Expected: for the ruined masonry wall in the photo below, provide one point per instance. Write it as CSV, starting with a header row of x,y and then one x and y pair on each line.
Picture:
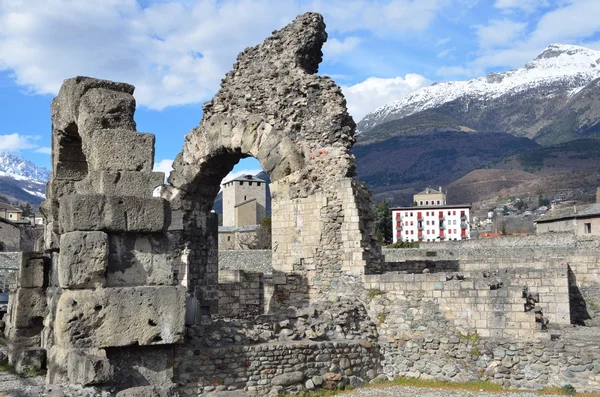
x,y
416,339
284,366
241,294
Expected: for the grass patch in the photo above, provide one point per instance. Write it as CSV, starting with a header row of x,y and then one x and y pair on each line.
x,y
473,338
381,318
478,386
593,305
438,384
33,371
372,293
3,342
6,368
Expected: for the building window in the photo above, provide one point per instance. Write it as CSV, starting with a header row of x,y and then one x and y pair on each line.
x,y
241,183
449,213
412,232
257,183
244,198
249,183
427,202
438,202
453,212
587,228
228,238
420,202
412,223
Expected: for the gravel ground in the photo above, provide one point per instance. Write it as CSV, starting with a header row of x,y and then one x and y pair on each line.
x,y
10,382
406,391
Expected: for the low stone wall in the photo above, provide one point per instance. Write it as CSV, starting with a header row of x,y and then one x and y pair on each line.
x,y
282,366
418,338
241,293
497,304
248,260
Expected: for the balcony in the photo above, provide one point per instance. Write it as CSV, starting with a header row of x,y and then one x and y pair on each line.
x,y
420,227
463,217
442,227
464,225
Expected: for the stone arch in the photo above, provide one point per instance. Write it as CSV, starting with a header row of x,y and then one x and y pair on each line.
x,y
273,106
120,258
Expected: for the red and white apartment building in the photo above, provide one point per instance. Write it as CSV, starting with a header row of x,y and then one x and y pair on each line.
x,y
431,219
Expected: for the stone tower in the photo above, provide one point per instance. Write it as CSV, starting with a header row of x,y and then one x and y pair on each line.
x,y
244,201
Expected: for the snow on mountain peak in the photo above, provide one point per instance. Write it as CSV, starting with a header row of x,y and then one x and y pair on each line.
x,y
571,66
13,165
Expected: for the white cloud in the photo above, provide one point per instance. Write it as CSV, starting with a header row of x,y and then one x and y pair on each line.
x,y
443,41
16,141
446,52
164,165
574,22
174,53
499,33
374,92
333,48
528,6
44,150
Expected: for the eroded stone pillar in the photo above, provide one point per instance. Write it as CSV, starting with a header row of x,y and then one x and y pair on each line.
x,y
111,286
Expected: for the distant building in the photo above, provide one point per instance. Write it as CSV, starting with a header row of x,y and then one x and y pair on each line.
x,y
581,220
244,201
244,207
432,219
10,213
430,197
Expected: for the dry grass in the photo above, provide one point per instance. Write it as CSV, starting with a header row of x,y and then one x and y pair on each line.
x,y
479,386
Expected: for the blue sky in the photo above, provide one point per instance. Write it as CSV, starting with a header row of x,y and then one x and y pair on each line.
x,y
176,52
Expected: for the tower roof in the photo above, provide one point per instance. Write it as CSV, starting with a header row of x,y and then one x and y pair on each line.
x,y
246,178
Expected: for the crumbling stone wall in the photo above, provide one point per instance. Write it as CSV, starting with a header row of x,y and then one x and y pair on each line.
x,y
418,339
273,106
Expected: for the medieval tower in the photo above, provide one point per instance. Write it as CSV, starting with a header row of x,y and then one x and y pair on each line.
x,y
244,201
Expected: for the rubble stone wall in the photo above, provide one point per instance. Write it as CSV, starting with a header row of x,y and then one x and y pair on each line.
x,y
282,367
248,260
417,338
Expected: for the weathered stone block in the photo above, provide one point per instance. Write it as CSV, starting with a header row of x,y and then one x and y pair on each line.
x,y
29,308
112,149
113,213
31,270
30,360
83,259
123,183
139,259
89,367
120,317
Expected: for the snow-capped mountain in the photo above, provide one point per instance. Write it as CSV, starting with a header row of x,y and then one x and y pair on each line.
x,y
529,101
21,179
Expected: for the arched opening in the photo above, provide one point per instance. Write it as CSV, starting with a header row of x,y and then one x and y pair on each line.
x,y
69,161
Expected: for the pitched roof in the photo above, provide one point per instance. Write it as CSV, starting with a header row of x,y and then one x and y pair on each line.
x,y
429,190
246,178
571,212
231,229
8,207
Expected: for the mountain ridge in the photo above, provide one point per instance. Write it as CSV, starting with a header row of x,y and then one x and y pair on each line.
x,y
21,180
550,99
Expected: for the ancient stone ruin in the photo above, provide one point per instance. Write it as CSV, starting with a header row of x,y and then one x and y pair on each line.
x,y
132,298
127,271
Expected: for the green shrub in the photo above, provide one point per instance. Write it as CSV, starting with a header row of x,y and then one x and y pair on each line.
x,y
569,389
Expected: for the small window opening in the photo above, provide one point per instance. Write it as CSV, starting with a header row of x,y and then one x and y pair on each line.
x,y
587,228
